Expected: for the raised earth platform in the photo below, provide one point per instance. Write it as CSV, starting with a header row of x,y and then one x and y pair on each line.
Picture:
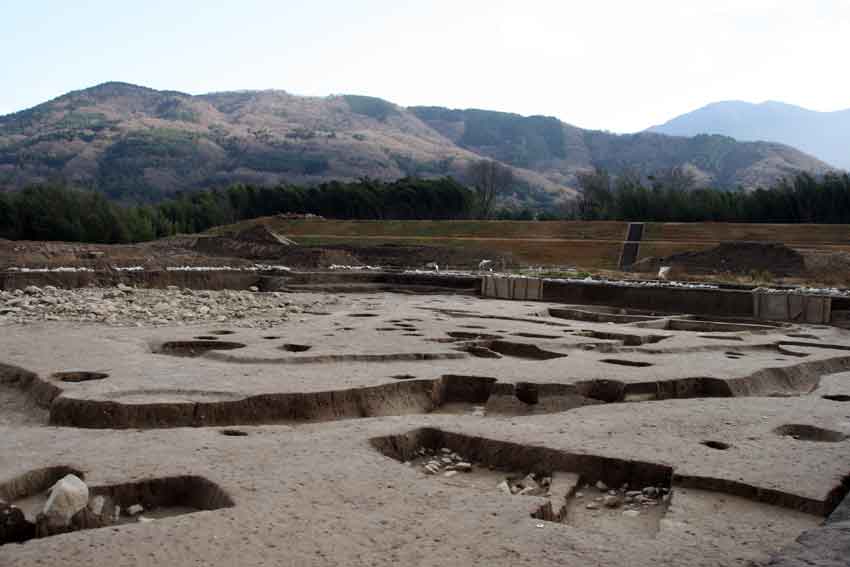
x,y
440,429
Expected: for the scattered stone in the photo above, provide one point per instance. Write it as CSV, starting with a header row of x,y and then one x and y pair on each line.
x,y
96,505
592,506
631,513
650,492
126,306
601,486
135,509
449,474
612,501
504,487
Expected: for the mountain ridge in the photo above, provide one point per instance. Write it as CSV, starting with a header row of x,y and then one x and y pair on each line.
x,y
135,143
825,135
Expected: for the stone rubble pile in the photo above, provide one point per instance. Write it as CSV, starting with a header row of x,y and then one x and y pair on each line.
x,y
529,485
632,501
444,461
127,306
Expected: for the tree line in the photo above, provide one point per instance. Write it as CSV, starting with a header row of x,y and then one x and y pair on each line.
x,y
56,212
671,196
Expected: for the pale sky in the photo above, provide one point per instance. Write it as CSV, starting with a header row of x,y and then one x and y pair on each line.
x,y
619,65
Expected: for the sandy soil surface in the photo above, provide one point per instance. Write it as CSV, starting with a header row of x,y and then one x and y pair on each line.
x,y
299,443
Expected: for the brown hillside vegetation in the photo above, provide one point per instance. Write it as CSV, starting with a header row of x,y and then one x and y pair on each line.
x,y
135,143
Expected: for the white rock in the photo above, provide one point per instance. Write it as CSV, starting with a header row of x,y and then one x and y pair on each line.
x,y
504,487
449,474
601,486
631,513
32,290
612,501
135,509
67,497
96,505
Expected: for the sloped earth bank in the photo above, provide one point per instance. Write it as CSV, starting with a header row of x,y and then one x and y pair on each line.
x,y
387,429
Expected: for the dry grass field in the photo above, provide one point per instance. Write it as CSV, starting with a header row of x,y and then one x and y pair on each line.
x,y
584,245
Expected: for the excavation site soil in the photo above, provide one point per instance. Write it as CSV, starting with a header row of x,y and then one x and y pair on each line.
x,y
321,421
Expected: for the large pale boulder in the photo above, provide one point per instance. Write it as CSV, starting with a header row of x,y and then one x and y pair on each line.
x,y
67,497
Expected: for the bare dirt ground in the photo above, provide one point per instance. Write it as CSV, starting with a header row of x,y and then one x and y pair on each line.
x,y
385,429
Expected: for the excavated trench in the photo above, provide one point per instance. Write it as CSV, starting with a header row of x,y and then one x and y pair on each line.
x,y
108,505
405,395
604,474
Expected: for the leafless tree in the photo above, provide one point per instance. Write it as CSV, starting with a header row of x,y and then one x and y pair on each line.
x,y
675,178
490,178
595,195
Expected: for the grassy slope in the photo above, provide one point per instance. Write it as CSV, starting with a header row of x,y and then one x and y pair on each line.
x,y
586,245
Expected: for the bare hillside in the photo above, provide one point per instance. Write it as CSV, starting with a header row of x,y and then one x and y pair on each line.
x,y
135,143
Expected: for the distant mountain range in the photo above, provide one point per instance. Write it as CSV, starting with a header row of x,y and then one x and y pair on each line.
x,y
139,144
825,135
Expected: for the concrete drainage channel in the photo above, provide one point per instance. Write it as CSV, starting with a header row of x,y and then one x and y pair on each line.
x,y
56,500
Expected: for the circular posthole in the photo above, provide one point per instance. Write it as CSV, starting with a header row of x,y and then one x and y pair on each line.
x,y
296,348
195,348
206,338
222,332
79,376
836,397
234,433
719,445
802,432
402,376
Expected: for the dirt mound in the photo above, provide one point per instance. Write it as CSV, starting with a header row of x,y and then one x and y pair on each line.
x,y
255,242
733,257
262,234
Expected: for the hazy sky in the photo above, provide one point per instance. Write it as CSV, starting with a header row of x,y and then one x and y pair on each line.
x,y
619,65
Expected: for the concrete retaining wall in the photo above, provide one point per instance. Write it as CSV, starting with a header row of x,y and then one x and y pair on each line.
x,y
512,288
728,303
792,307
